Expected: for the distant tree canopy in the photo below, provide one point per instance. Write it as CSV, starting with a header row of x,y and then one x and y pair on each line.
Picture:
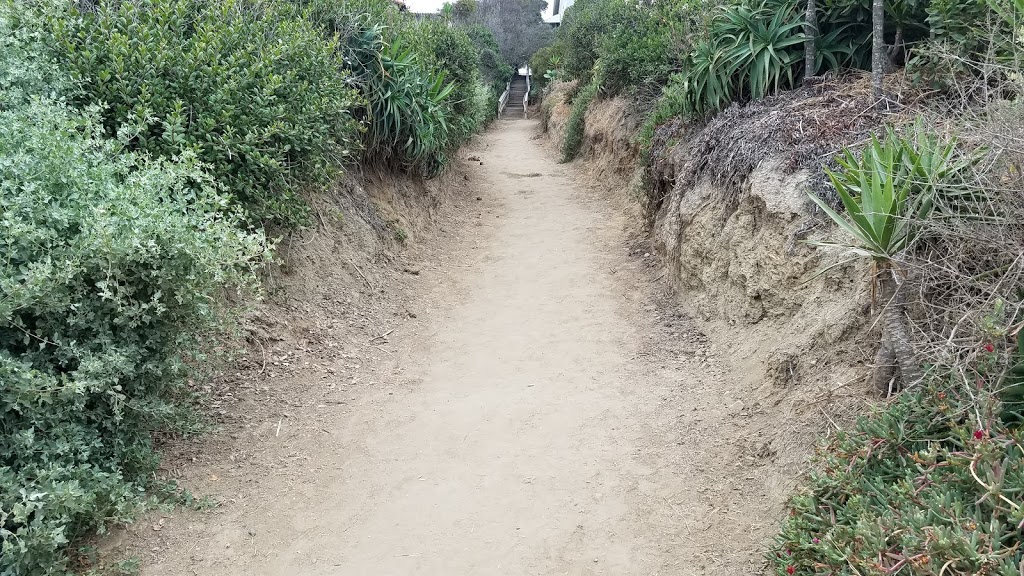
x,y
516,24
463,10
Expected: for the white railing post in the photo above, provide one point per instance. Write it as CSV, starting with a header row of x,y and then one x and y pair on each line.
x,y
526,97
503,100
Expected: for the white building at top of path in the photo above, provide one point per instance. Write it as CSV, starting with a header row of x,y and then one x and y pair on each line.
x,y
558,8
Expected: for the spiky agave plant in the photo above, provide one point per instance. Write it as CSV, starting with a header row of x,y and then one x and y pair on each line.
x,y
887,193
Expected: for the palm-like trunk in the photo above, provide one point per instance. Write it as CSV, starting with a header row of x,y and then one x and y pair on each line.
x,y
895,353
878,53
810,44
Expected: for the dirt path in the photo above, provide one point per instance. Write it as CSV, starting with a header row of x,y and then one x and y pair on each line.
x,y
542,415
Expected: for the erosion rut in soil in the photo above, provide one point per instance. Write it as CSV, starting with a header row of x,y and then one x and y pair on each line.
x,y
547,411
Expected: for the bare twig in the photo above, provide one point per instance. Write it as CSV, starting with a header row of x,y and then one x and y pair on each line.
x,y
363,276
384,335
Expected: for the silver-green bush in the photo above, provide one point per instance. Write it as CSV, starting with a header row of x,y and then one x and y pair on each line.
x,y
113,277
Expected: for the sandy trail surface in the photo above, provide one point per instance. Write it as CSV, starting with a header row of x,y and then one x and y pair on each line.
x,y
545,413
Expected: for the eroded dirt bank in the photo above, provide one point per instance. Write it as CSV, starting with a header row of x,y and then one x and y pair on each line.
x,y
537,404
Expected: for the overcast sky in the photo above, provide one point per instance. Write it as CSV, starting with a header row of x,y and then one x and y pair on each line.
x,y
428,5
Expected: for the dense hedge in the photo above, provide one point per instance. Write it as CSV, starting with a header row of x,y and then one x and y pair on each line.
x,y
248,86
274,95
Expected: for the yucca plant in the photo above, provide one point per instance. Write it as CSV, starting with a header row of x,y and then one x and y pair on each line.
x,y
874,190
406,118
888,193
707,84
764,45
882,217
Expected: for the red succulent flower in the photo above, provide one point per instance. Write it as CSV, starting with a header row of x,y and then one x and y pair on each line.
x,y
989,347
790,569
979,434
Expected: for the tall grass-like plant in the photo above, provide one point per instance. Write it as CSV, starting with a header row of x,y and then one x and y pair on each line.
x,y
406,118
576,126
707,86
751,51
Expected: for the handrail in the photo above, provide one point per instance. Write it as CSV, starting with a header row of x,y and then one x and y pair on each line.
x,y
526,97
503,100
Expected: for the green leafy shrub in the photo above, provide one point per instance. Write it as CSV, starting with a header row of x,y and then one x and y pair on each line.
x,y
494,70
673,103
627,44
576,125
114,275
544,61
248,85
647,44
485,105
582,30
26,68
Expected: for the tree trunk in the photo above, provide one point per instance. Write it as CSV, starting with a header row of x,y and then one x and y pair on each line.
x,y
898,55
879,57
810,48
883,378
895,350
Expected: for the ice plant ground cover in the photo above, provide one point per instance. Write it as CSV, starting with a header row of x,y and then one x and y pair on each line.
x,y
931,484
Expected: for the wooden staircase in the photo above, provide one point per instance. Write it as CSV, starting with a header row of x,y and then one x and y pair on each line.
x,y
517,92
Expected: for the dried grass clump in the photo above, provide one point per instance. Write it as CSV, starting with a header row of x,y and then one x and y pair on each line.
x,y
966,275
806,128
